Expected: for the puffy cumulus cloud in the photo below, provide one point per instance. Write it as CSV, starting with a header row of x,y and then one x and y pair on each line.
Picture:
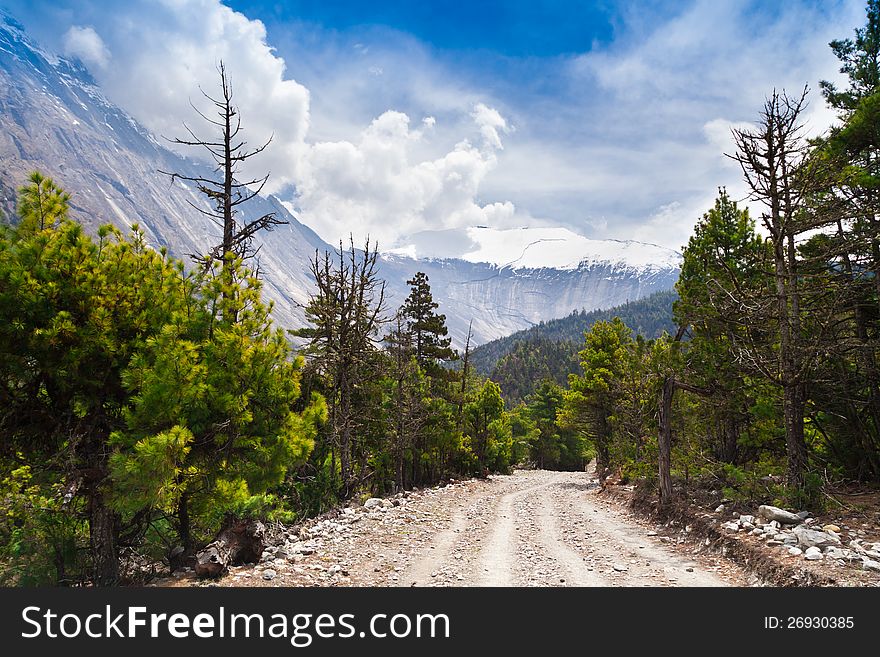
x,y
84,44
374,185
165,50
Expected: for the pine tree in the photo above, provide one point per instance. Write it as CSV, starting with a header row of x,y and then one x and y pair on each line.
x,y
72,313
41,204
484,424
592,398
212,424
428,329
723,275
772,158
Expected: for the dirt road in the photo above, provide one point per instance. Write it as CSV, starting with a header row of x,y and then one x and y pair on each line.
x,y
531,528
539,528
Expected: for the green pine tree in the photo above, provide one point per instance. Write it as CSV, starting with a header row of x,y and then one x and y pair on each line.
x,y
428,329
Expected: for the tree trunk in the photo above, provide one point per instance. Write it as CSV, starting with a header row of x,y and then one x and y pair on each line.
x,y
241,541
185,528
345,440
729,438
792,402
102,539
795,446
664,441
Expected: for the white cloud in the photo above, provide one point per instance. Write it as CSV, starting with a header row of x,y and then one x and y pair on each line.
x,y
668,226
719,135
491,125
389,179
375,184
165,51
85,44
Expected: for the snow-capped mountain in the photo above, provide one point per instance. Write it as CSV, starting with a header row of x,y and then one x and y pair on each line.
x,y
54,117
516,289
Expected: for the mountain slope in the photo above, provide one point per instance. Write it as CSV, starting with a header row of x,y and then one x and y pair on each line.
x,y
53,117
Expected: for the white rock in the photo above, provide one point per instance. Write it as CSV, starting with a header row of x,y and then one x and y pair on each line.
x,y
813,538
870,564
777,514
757,531
836,553
269,574
795,551
731,526
372,502
719,508
813,554
748,519
620,568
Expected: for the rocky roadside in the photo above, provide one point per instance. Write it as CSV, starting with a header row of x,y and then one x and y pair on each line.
x,y
780,547
369,544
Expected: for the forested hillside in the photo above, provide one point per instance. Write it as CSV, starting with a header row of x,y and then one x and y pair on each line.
x,y
648,317
548,351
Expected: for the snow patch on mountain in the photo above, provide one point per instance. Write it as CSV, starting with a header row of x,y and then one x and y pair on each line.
x,y
553,248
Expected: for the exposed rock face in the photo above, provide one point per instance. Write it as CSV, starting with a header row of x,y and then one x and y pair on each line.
x,y
53,117
503,300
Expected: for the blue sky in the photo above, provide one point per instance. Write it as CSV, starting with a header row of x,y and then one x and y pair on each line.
x,y
519,29
403,118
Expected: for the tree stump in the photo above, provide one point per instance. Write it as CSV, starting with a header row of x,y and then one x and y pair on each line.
x,y
240,541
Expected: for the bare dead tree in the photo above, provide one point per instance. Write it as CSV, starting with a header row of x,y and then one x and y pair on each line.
x,y
772,157
346,312
228,151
